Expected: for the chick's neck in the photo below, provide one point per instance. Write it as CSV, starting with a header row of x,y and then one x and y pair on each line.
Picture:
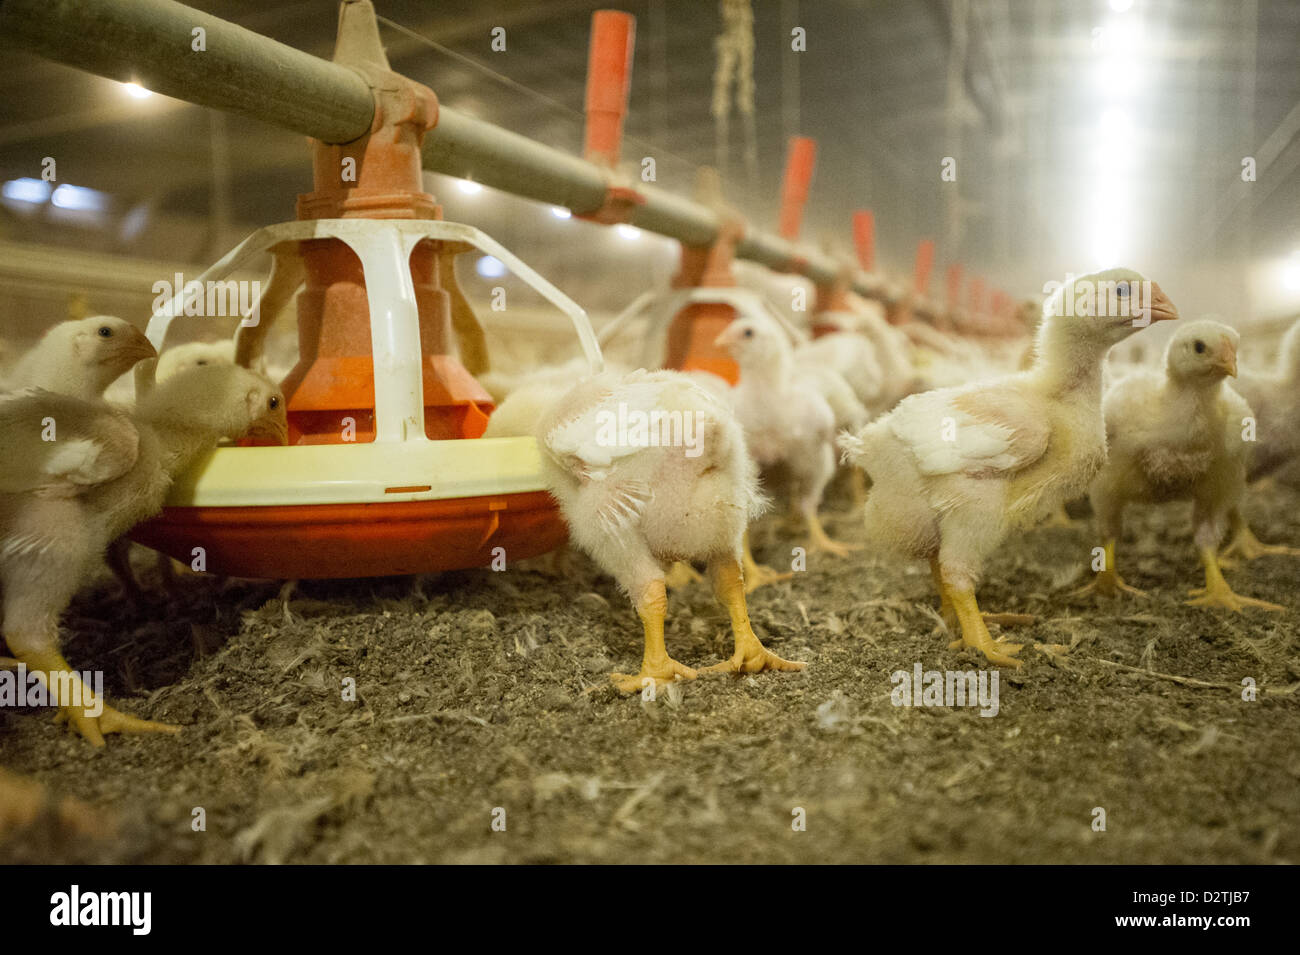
x,y
1068,365
182,437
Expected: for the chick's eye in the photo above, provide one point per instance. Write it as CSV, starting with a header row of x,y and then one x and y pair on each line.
x,y
1121,290
1200,347
749,333
105,331
273,402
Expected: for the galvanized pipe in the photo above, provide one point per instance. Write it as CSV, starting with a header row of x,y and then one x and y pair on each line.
x,y
151,42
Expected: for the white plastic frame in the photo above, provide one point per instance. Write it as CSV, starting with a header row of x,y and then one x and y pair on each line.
x,y
384,247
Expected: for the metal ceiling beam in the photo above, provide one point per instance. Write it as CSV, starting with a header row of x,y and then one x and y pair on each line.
x,y
243,72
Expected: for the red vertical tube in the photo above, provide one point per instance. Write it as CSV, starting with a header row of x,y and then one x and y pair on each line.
x,y
952,286
864,238
799,160
609,75
924,263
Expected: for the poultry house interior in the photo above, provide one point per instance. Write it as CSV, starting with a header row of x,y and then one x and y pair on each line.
x,y
666,431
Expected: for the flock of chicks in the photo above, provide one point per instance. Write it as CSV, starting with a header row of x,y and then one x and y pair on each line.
x,y
952,470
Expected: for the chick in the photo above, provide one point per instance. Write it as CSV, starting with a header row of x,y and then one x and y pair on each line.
x,y
786,418
954,471
637,501
1176,435
851,357
63,500
81,358
1275,398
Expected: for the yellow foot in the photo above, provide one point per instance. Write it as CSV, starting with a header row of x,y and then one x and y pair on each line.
x,y
681,575
660,673
754,659
819,540
760,575
1249,547
1225,597
94,728
998,652
1107,583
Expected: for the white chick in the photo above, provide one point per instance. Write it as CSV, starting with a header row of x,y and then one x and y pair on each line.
x,y
1274,397
787,420
954,471
81,358
1176,435
853,358
63,500
638,499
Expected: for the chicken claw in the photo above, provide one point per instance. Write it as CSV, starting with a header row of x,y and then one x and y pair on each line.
x,y
667,670
1217,593
750,655
819,540
974,632
92,728
656,664
1107,583
1247,546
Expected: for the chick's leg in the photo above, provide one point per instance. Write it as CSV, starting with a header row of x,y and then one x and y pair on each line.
x,y
974,631
812,475
756,574
750,655
656,665
1217,593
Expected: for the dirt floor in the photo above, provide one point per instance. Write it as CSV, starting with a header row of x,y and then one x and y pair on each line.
x,y
480,691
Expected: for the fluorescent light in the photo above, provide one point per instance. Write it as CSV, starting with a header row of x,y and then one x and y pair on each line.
x,y
469,187
490,267
1121,6
78,198
34,191
136,91
628,232
560,212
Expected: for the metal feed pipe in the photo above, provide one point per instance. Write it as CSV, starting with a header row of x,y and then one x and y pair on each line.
x,y
153,42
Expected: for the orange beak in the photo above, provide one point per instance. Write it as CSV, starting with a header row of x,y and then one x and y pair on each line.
x,y
1162,310
1226,359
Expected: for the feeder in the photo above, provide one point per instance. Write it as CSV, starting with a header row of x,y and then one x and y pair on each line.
x,y
386,472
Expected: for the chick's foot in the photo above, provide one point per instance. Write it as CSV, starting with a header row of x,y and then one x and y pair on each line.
x,y
820,541
1247,546
660,672
975,633
750,655
1107,583
90,716
1217,593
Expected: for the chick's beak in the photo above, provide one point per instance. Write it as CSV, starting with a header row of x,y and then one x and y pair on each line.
x,y
272,426
726,338
1226,359
1162,310
134,346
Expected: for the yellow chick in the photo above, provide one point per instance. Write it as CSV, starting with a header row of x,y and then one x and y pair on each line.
x,y
954,471
63,500
1177,435
649,469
